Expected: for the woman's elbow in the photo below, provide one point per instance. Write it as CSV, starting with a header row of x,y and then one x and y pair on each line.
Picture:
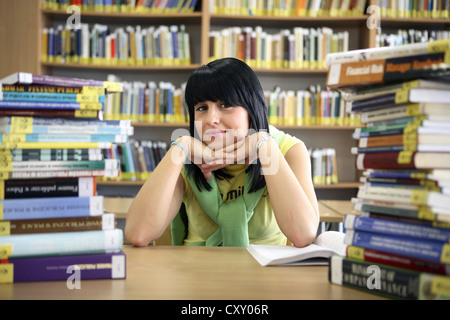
x,y
138,238
304,238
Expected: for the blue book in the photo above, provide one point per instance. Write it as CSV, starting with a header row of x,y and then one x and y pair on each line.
x,y
50,105
43,121
40,208
51,97
62,243
67,129
397,228
56,267
51,137
434,251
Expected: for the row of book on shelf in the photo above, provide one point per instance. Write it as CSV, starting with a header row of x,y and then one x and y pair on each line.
x,y
323,166
53,222
124,46
137,158
163,102
403,226
124,6
293,8
410,36
414,9
294,49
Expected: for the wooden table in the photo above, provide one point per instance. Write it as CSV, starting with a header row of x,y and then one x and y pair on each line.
x,y
195,273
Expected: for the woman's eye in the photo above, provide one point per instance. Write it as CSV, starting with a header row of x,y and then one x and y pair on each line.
x,y
200,108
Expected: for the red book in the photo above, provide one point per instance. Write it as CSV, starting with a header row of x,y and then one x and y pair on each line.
x,y
403,160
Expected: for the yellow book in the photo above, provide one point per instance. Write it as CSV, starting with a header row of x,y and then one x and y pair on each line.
x,y
44,54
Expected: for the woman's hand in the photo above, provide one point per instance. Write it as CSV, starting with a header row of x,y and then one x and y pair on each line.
x,y
242,151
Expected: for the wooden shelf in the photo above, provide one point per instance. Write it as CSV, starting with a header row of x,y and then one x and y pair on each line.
x,y
190,67
165,16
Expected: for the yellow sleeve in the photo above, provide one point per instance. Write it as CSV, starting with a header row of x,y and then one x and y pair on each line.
x,y
285,141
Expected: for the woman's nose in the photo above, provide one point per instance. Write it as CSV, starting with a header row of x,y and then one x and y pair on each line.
x,y
213,117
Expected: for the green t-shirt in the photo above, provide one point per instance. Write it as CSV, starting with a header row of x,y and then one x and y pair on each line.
x,y
262,227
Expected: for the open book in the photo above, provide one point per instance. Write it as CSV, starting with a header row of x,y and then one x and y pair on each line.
x,y
326,244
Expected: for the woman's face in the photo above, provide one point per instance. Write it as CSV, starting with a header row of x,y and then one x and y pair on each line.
x,y
220,125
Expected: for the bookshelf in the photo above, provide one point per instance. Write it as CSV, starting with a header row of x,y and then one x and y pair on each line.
x,y
22,22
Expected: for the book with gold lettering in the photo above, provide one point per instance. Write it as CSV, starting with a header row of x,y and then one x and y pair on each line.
x,y
106,221
68,268
379,71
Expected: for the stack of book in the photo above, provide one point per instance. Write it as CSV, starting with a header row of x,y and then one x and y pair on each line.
x,y
399,244
53,224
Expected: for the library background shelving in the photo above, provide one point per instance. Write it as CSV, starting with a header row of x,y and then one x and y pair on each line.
x,y
21,22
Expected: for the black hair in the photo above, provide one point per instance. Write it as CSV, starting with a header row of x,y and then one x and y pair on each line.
x,y
233,82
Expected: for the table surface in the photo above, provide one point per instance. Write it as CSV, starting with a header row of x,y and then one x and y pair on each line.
x,y
195,273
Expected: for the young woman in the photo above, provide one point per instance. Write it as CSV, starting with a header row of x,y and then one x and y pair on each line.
x,y
234,180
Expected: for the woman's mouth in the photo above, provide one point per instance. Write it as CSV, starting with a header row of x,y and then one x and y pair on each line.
x,y
215,132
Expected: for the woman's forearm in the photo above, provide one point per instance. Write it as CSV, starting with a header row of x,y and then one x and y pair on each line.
x,y
155,204
296,211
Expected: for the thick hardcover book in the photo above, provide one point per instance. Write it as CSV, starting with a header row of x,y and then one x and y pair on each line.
x,y
37,208
61,243
28,78
387,52
105,221
433,111
94,106
39,174
106,164
63,137
400,160
56,154
55,145
50,113
52,97
54,268
434,251
40,88
389,281
397,228
47,188
399,88
397,210
413,95
424,127
66,129
369,72
405,194
377,256
30,122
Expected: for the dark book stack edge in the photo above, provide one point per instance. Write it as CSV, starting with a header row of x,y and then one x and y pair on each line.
x,y
52,221
398,246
